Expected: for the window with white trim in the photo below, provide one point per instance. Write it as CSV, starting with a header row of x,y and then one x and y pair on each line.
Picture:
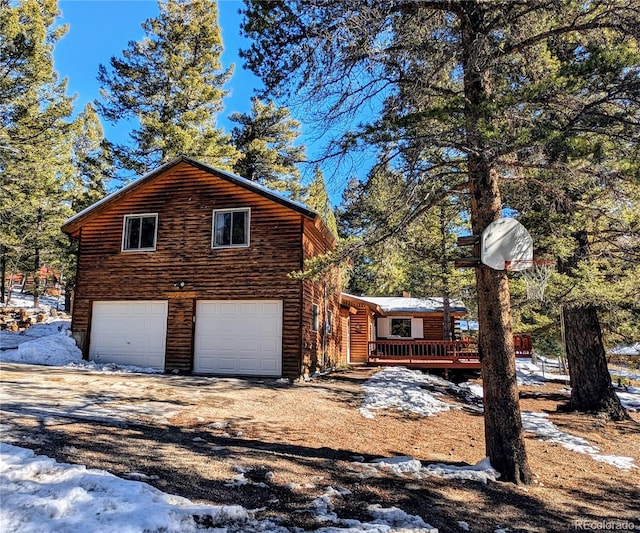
x,y
231,228
139,232
315,317
329,329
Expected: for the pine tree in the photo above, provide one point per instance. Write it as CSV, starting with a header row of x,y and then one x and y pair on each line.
x,y
415,256
473,88
171,82
265,139
91,159
318,200
35,156
92,169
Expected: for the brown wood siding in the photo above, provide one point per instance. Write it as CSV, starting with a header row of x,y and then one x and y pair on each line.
x,y
344,333
324,292
179,337
432,328
361,323
184,198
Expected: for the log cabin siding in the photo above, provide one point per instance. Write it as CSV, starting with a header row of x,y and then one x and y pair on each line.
x,y
184,198
433,328
179,337
361,333
320,349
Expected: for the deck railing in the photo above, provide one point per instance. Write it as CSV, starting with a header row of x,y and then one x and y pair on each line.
x,y
419,348
436,354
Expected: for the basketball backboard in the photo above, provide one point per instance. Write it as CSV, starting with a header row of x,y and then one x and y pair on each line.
x,y
506,242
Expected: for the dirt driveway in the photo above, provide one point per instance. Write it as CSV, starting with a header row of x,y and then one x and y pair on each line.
x,y
275,446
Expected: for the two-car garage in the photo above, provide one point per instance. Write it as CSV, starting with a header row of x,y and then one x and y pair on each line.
x,y
234,337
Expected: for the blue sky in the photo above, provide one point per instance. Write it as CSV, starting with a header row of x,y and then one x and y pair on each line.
x,y
101,29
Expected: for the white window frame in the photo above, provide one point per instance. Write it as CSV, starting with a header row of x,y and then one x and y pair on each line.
x,y
246,210
124,232
315,318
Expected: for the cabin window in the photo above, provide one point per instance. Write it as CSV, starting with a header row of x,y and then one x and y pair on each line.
x,y
329,328
230,228
139,234
401,327
315,317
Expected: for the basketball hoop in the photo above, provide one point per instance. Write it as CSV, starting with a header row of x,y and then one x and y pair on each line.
x,y
535,273
504,241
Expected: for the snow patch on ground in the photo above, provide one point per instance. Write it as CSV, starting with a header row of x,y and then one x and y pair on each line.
x,y
405,390
529,373
405,466
40,495
632,349
630,398
540,424
402,389
385,519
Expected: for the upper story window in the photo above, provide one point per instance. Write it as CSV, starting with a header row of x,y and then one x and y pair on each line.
x,y
139,233
231,227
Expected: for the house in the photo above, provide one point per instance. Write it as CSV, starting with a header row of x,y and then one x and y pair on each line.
x,y
410,332
394,330
189,269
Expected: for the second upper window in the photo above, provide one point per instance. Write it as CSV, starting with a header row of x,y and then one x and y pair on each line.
x,y
231,227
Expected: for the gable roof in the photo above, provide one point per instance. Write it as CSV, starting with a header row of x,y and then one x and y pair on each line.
x,y
388,305
76,220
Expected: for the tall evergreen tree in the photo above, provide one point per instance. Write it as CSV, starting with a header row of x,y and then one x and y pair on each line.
x,y
91,159
92,168
171,82
589,225
35,160
473,86
414,256
265,139
318,200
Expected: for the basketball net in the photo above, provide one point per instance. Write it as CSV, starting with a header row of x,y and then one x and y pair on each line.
x,y
535,273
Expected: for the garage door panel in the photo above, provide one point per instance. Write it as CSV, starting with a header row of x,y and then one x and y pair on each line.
x,y
238,337
129,333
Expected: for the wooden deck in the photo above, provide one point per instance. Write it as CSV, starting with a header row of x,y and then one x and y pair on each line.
x,y
462,354
424,354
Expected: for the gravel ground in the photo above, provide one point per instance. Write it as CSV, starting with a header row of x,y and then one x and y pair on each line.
x,y
191,436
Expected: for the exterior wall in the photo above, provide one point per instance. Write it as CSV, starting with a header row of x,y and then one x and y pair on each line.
x,y
184,198
361,331
320,349
432,328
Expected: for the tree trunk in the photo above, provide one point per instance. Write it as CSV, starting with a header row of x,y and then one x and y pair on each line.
x,y
502,420
591,388
3,273
36,264
36,279
445,273
503,424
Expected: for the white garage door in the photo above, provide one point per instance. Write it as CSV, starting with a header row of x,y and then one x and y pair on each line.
x,y
129,333
242,337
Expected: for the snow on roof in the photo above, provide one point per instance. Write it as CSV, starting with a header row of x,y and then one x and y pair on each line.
x,y
398,304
